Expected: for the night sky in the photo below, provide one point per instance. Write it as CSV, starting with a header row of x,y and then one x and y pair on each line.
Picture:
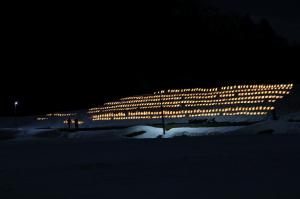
x,y
63,87
73,62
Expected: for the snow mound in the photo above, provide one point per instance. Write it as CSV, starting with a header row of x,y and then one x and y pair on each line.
x,y
199,131
150,132
154,132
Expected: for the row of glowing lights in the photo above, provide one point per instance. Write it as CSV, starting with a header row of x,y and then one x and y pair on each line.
x,y
73,122
231,103
166,98
266,92
189,105
134,108
262,97
184,112
191,96
217,93
190,102
234,113
138,118
41,118
228,95
55,115
256,93
229,88
245,113
144,99
229,109
60,114
199,101
157,97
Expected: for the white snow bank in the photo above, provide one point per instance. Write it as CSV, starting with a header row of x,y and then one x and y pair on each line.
x,y
199,131
154,132
150,132
275,127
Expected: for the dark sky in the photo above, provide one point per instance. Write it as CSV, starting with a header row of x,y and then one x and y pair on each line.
x,y
284,15
81,81
66,62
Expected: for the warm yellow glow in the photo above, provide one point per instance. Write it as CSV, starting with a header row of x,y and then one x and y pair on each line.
x,y
41,118
249,100
73,122
60,114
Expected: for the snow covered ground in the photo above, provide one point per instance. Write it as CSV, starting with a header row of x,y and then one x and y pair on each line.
x,y
272,127
287,124
122,163
282,126
203,167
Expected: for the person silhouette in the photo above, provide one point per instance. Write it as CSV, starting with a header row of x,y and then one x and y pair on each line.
x,y
69,122
76,123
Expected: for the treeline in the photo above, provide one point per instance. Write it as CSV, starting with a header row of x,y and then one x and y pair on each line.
x,y
191,21
228,27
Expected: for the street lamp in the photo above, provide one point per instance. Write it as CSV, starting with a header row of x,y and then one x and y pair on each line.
x,y
15,114
16,104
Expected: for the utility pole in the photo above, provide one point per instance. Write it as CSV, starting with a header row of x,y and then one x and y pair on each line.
x,y
162,113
